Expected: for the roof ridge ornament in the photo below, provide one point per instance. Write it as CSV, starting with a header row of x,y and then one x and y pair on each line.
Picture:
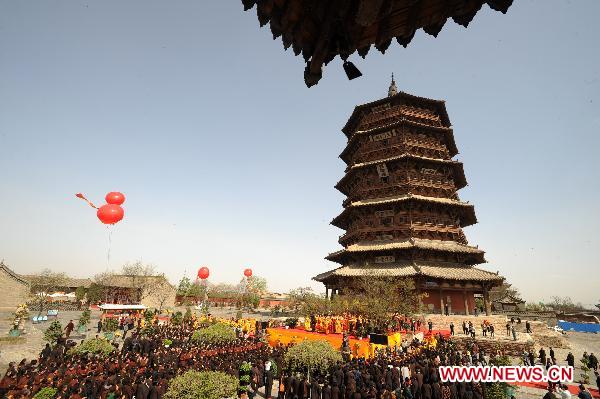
x,y
392,90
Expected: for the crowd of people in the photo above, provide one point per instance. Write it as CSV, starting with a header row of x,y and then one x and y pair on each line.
x,y
358,326
141,366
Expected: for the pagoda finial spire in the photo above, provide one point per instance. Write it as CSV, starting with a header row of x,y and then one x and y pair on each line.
x,y
393,90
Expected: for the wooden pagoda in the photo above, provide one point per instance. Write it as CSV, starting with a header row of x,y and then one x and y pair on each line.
x,y
402,215
321,30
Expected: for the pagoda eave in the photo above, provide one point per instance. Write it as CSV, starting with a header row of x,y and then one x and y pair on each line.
x,y
406,244
467,210
415,270
459,175
448,132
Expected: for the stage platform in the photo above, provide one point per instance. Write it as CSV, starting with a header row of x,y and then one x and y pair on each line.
x,y
359,347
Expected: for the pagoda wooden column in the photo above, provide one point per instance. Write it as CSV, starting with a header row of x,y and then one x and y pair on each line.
x,y
486,300
466,301
441,302
326,292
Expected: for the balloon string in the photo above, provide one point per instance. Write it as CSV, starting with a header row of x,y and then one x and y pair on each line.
x,y
110,231
79,195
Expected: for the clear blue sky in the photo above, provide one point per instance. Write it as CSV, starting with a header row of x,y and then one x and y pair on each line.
x,y
228,160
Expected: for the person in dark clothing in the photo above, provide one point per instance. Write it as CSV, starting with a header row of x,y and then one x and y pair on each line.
x,y
99,325
542,353
430,326
315,389
426,391
551,353
549,394
143,390
326,391
593,361
584,393
268,381
451,328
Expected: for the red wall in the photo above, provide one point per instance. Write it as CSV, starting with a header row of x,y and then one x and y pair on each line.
x,y
456,303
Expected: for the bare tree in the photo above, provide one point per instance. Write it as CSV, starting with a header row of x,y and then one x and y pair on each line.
x,y
142,278
106,284
163,290
43,284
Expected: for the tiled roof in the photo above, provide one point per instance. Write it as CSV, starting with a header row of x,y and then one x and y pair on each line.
x,y
402,121
468,208
460,178
12,274
449,271
437,245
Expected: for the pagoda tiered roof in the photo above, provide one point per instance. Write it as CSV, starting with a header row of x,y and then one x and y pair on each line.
x,y
434,270
460,179
448,132
468,210
439,105
321,30
410,243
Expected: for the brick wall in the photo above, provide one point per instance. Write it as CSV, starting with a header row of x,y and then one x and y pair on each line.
x,y
14,291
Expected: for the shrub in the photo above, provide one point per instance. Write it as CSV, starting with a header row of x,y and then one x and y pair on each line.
x,y
84,319
53,332
291,322
167,342
96,346
202,385
110,325
45,393
218,333
312,355
177,318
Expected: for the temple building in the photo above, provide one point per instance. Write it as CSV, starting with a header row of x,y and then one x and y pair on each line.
x,y
402,216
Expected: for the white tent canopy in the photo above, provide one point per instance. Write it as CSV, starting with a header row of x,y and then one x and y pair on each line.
x,y
118,306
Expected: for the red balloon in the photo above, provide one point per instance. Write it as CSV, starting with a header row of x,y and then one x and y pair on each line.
x,y
110,213
248,272
203,273
115,197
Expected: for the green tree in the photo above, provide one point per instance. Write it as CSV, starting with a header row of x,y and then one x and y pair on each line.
x,y
218,333
184,286
80,293
53,332
94,346
84,319
250,291
314,356
202,385
378,298
45,393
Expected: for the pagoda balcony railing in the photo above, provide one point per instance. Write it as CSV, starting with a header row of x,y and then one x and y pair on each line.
x,y
387,117
390,190
404,231
396,150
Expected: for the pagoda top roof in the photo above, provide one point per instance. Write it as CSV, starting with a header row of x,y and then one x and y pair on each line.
x,y
322,30
440,105
403,121
436,245
407,197
436,270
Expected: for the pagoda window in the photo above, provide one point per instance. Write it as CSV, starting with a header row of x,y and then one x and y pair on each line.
x,y
386,221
